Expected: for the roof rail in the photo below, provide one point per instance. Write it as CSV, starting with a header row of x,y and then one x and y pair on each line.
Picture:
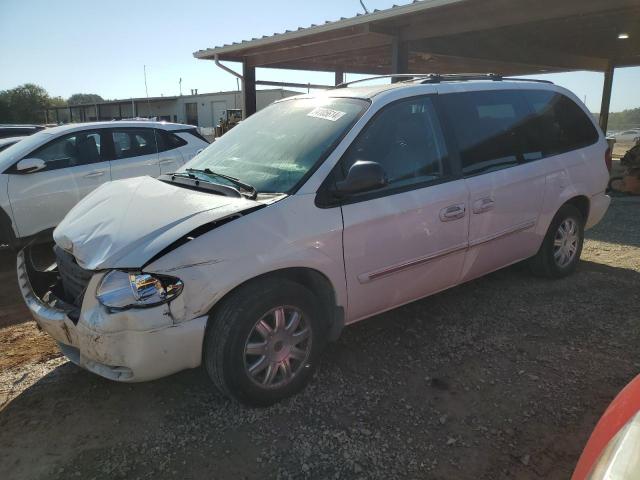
x,y
407,76
443,77
461,77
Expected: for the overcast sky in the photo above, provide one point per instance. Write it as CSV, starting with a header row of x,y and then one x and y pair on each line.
x,y
92,46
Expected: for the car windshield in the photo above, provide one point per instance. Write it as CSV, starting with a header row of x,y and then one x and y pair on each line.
x,y
275,148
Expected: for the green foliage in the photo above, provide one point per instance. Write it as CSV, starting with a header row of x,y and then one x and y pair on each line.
x,y
26,104
625,119
84,98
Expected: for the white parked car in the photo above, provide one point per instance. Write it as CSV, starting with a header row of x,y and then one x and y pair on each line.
x,y
628,136
317,212
47,173
7,142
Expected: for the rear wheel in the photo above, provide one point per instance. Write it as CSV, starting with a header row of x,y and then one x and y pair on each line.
x,y
560,251
264,341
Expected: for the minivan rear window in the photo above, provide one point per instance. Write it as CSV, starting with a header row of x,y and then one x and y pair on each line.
x,y
558,125
497,129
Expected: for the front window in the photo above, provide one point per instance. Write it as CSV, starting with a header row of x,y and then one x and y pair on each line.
x,y
274,149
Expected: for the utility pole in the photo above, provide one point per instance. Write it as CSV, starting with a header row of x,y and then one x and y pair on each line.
x,y
180,83
146,91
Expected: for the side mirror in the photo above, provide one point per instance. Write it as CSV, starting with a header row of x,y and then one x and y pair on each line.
x,y
30,165
362,176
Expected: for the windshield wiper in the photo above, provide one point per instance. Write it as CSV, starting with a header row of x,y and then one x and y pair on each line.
x,y
245,186
227,190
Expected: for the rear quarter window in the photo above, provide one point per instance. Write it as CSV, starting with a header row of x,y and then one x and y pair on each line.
x,y
168,140
558,124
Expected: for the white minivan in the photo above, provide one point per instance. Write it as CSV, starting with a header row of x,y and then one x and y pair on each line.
x,y
315,213
47,173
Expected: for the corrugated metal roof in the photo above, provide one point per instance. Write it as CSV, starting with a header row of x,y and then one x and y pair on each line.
x,y
343,22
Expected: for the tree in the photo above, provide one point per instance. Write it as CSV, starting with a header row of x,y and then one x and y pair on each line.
x,y
625,119
25,104
84,98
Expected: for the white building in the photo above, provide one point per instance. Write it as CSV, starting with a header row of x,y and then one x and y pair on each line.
x,y
203,110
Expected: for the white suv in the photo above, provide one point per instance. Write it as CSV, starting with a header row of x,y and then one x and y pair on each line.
x,y
47,173
317,212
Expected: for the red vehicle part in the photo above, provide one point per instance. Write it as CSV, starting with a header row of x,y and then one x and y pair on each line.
x,y
618,414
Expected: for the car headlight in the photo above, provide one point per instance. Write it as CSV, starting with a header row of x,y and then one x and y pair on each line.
x,y
620,459
120,290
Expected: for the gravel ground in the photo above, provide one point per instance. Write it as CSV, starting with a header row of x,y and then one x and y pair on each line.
x,y
503,377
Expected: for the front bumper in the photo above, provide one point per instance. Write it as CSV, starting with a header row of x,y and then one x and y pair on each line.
x,y
145,348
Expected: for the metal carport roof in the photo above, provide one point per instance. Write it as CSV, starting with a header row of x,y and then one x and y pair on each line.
x,y
508,37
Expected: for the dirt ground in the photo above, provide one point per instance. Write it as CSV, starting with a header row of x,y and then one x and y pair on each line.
x,y
503,377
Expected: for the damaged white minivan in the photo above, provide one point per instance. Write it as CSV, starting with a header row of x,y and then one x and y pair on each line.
x,y
316,212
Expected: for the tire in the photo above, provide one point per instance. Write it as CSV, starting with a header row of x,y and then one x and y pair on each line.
x,y
233,331
547,262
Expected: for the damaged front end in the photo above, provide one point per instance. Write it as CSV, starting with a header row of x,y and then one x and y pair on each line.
x,y
121,342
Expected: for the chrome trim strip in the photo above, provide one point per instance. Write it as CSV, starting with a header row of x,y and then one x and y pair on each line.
x,y
509,231
383,272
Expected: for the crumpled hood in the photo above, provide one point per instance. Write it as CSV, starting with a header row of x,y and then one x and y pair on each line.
x,y
124,223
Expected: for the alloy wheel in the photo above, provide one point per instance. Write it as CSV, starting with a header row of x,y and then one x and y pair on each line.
x,y
565,243
277,347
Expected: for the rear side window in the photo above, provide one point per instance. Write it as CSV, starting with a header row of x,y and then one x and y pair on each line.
x,y
133,142
194,133
558,125
168,140
488,127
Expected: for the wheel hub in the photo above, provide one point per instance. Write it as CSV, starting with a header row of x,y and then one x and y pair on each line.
x,y
277,347
565,244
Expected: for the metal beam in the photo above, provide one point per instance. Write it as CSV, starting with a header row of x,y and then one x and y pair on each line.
x,y
399,57
339,77
248,89
606,97
291,84
491,49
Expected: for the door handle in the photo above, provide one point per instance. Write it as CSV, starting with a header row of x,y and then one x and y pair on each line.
x,y
483,205
452,212
164,161
97,173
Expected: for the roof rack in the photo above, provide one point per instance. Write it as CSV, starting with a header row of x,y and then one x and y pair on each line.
x,y
443,77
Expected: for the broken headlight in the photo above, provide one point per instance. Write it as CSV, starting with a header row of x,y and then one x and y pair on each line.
x,y
121,290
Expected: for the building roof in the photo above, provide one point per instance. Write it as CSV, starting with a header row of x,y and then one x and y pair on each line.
x,y
448,36
159,99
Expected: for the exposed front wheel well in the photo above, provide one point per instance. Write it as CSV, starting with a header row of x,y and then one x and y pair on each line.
x,y
315,282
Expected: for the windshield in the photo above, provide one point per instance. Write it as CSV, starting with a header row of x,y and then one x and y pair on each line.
x,y
275,148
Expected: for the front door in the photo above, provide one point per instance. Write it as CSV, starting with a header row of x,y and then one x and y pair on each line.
x,y
506,185
135,153
191,113
408,239
76,164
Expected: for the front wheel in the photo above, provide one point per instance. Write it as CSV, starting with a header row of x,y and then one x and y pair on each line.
x,y
264,341
562,245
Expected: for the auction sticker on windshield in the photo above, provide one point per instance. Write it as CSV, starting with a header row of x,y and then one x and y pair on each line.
x,y
326,114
